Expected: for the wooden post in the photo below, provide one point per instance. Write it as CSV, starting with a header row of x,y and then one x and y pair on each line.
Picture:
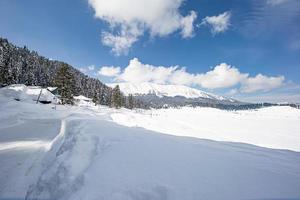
x,y
37,101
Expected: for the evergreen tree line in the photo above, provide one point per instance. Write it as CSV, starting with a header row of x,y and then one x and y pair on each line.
x,y
22,66
119,100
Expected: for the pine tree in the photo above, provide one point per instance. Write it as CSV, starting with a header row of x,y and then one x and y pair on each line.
x,y
96,98
116,97
130,101
5,75
64,80
5,78
123,100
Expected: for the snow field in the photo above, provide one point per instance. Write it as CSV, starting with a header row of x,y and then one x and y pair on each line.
x,y
272,127
82,153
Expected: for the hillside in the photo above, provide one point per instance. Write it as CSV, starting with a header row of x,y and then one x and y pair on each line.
x,y
22,66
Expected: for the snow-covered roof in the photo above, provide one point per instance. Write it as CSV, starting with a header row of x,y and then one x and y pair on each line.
x,y
20,91
33,90
16,87
80,97
51,88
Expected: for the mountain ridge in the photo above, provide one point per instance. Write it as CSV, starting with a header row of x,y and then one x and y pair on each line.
x,y
159,95
165,96
169,90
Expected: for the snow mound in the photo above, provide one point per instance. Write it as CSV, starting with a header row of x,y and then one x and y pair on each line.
x,y
27,93
83,101
165,90
17,91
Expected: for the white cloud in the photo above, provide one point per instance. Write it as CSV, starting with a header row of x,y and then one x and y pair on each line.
x,y
261,83
121,42
233,91
109,71
181,77
87,69
138,72
219,23
221,76
91,67
187,24
276,2
129,19
83,70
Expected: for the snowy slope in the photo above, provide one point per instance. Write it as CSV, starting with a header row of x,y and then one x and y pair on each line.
x,y
81,153
164,90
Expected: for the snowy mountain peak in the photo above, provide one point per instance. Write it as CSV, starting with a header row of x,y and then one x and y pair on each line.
x,y
165,90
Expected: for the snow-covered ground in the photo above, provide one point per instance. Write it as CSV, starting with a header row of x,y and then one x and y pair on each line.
x,y
82,153
29,93
273,127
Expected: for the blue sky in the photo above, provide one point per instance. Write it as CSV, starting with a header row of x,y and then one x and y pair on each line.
x,y
252,37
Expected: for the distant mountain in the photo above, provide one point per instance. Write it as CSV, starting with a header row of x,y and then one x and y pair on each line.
x,y
166,90
158,96
164,96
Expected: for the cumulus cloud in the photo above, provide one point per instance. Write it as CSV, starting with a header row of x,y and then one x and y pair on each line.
x,y
181,77
109,71
130,19
219,23
221,76
261,83
121,42
138,72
